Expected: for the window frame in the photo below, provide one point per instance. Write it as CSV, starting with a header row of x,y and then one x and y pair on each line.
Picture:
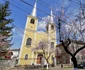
x,y
52,27
32,21
28,41
52,44
26,57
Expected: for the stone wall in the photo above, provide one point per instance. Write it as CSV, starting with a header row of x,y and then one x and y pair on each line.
x,y
7,64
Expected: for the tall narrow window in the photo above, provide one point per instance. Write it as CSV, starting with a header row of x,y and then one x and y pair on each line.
x,y
52,44
26,57
32,21
29,40
47,28
52,27
82,57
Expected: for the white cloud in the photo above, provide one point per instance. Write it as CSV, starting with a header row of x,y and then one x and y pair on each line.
x,y
42,24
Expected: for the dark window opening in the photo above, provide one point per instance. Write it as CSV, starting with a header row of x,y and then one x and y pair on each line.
x,y
82,57
52,27
52,57
32,21
29,40
52,44
78,57
26,57
47,28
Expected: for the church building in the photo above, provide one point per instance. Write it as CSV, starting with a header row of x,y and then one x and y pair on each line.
x,y
32,36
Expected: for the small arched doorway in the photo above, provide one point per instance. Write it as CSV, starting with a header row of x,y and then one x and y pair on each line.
x,y
39,58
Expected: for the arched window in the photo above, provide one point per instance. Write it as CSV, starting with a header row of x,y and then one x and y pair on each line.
x,y
26,57
52,27
32,21
29,40
52,44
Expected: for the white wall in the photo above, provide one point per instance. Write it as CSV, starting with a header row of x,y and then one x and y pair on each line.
x,y
15,54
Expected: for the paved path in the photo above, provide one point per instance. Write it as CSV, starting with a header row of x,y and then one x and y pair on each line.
x,y
51,68
57,68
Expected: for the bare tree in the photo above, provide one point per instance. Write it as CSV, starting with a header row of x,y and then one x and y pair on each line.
x,y
43,45
74,30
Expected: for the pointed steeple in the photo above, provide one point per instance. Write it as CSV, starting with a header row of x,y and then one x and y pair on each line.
x,y
34,9
51,17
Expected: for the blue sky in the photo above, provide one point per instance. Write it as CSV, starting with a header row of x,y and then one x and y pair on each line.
x,y
20,16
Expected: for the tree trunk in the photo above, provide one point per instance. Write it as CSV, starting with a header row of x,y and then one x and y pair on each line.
x,y
47,61
74,63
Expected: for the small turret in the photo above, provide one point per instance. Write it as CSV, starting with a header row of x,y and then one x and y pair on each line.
x,y
51,26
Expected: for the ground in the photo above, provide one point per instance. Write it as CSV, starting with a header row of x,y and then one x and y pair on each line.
x,y
63,69
28,68
51,68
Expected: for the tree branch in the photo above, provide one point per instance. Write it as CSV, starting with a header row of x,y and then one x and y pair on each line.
x,y
79,50
69,42
65,48
49,55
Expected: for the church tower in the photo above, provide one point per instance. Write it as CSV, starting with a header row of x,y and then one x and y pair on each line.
x,y
29,38
51,30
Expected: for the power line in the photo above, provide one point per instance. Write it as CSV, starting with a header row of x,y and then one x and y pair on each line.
x,y
42,2
37,8
33,6
45,3
55,1
76,2
29,12
23,10
68,7
19,8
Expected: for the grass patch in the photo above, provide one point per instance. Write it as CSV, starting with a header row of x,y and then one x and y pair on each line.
x,y
45,69
67,67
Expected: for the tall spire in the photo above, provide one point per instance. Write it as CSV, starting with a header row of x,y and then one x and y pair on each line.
x,y
34,9
51,17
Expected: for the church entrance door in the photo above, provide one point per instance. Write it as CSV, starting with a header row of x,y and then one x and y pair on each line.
x,y
39,58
